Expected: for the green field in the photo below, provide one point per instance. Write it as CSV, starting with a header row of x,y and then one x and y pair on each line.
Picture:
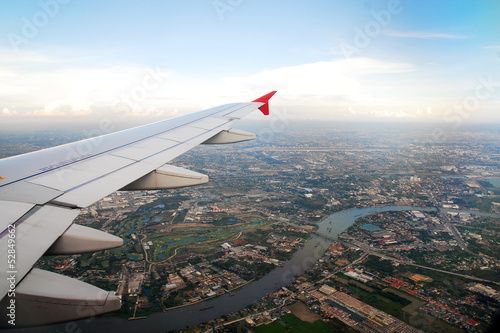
x,y
198,237
291,323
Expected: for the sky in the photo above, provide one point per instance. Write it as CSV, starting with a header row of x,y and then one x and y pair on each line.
x,y
373,60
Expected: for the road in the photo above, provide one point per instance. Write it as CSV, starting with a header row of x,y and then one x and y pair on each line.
x,y
368,250
378,252
446,219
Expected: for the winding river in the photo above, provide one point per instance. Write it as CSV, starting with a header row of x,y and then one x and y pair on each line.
x,y
180,318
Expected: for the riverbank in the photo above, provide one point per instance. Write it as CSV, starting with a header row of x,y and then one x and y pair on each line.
x,y
195,314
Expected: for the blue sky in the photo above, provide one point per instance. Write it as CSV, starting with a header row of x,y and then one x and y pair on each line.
x,y
429,61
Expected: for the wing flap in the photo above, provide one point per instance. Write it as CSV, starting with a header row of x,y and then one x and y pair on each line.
x,y
23,191
33,236
78,173
12,211
84,196
95,190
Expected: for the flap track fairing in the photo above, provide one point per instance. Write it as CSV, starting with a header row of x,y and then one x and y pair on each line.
x,y
230,136
166,177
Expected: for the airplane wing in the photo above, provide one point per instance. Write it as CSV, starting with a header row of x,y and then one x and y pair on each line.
x,y
42,192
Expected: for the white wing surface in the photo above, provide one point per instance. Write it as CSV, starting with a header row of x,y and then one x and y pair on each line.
x,y
42,192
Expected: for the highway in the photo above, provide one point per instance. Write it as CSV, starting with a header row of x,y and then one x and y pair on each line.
x,y
446,219
368,250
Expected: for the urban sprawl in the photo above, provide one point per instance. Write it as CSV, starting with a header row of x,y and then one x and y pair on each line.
x,y
434,269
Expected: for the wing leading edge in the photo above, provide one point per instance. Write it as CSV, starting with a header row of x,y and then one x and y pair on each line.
x,y
42,192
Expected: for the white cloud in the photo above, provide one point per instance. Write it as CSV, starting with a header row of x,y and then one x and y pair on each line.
x,y
24,57
60,110
76,91
356,88
68,92
7,112
422,35
325,78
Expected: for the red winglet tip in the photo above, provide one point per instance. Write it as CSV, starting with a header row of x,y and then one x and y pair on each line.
x,y
265,99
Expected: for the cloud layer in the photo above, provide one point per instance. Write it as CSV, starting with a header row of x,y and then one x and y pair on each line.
x,y
144,91
357,88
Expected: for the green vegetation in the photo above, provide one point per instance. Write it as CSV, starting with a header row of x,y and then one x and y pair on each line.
x,y
290,323
244,269
374,263
491,275
165,244
257,236
472,201
317,202
387,302
428,323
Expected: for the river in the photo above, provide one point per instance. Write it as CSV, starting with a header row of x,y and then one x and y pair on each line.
x,y
195,314
495,182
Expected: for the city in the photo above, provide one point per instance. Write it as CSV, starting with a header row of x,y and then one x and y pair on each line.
x,y
430,264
